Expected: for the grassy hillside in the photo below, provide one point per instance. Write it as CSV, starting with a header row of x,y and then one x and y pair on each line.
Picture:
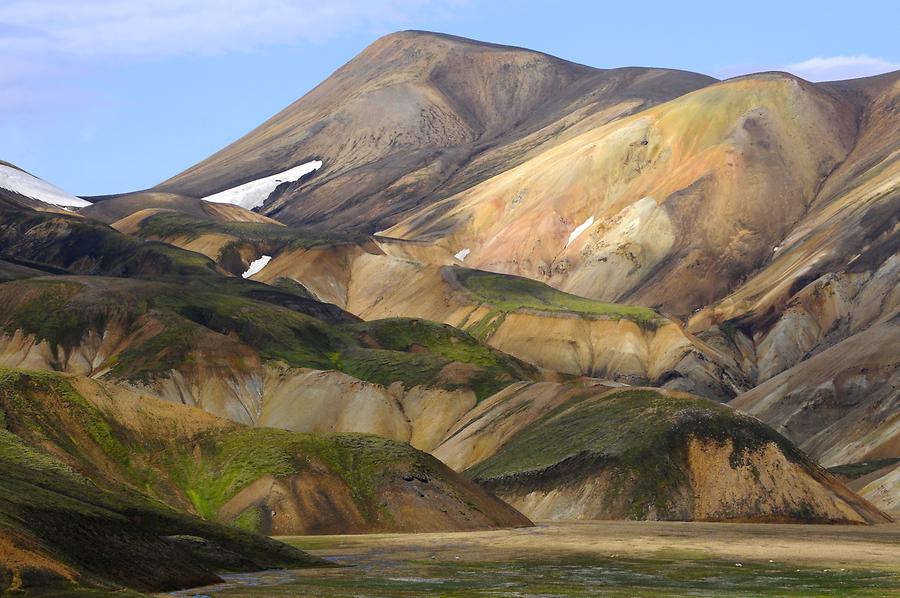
x,y
505,293
639,433
644,453
85,246
258,479
60,528
169,327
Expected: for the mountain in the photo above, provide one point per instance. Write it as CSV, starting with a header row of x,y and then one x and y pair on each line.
x,y
83,460
643,454
417,113
758,215
21,188
461,285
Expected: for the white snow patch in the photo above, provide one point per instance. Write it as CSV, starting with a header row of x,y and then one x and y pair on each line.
x,y
253,194
35,188
257,265
580,229
461,254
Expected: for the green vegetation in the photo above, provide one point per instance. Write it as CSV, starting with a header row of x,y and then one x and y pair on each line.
x,y
505,293
637,434
430,347
86,246
50,317
171,225
42,409
232,460
857,470
171,325
109,538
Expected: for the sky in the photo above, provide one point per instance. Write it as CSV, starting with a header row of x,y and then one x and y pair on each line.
x,y
101,96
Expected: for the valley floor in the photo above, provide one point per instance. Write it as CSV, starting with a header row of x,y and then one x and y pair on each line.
x,y
608,558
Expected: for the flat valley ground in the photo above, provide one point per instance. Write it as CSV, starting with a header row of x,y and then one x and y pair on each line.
x,y
595,558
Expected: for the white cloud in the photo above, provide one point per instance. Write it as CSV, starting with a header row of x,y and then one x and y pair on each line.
x,y
833,68
43,42
171,27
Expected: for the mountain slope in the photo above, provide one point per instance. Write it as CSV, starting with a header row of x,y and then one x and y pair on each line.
x,y
748,154
260,480
642,453
58,528
227,347
416,112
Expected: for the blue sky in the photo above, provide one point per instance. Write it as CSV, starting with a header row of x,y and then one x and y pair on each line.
x,y
104,96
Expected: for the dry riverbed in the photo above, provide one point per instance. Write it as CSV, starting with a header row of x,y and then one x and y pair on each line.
x,y
611,558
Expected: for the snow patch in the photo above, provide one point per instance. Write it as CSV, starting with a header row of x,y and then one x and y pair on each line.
x,y
461,254
257,265
254,194
580,229
30,186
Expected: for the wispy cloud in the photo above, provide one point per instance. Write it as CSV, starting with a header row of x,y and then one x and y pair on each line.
x,y
832,68
171,27
55,36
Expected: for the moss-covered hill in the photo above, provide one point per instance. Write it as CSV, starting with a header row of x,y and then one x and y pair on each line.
x,y
84,246
230,244
60,527
504,293
650,454
164,327
87,469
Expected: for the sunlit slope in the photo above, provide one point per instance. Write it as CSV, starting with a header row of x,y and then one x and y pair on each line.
x,y
230,347
524,318
684,200
124,207
415,113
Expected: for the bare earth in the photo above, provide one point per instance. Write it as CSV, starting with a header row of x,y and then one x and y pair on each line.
x,y
876,546
617,559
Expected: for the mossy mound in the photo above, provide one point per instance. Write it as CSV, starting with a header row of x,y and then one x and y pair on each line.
x,y
505,293
419,350
84,246
64,527
170,327
650,454
160,453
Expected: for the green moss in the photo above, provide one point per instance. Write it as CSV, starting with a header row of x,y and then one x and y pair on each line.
x,y
171,225
507,293
857,470
232,460
413,352
49,316
248,520
157,356
117,533
638,435
427,348
19,390
83,245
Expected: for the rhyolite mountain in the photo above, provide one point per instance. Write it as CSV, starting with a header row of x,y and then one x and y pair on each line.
x,y
587,293
417,114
